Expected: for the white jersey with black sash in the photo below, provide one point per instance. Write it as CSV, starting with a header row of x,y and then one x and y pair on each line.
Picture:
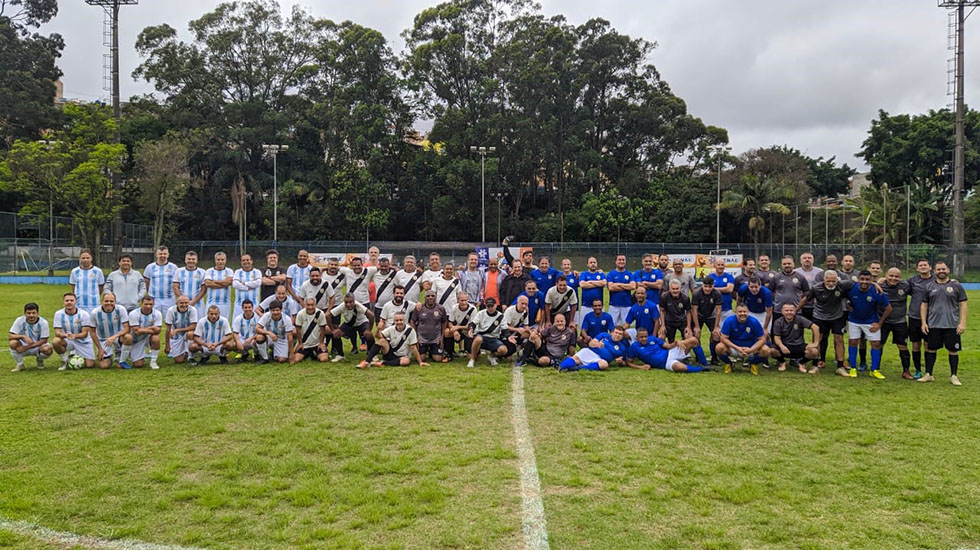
x,y
359,283
401,342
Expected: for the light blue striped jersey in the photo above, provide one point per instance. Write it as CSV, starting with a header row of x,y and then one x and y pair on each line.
x,y
72,323
107,324
35,331
138,319
218,296
189,281
245,328
212,332
175,319
245,277
298,276
86,285
278,327
161,279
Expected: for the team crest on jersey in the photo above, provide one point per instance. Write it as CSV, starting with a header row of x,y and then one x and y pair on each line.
x,y
901,292
748,329
796,327
836,293
949,289
646,310
603,322
796,280
868,299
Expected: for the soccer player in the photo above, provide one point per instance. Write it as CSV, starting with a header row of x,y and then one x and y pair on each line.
x,y
145,326
943,314
430,321
87,281
652,279
787,335
863,320
126,283
212,336
788,287
846,271
764,273
748,272
675,313
621,284
644,314
297,274
384,285
408,279
181,322
446,288
245,337
592,282
397,304
875,268
829,301
513,285
759,301
159,278
919,285
811,274
594,323
348,320
273,275
485,331
217,282
678,274
189,282
246,282
394,343
560,299
72,334
111,327
603,351
527,257
830,263
333,275
494,278
459,316
724,284
358,279
433,272
897,291
656,354
311,326
535,304
551,345
29,337
517,327
289,306
545,276
742,336
571,278
319,290
663,263
706,312
278,331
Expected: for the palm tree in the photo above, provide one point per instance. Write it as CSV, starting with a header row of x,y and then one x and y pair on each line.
x,y
753,198
882,213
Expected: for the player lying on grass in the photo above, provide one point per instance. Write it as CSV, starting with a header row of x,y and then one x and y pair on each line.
x,y
73,333
605,350
789,344
29,337
652,352
395,343
742,337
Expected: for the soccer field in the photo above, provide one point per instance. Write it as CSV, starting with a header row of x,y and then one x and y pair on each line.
x,y
324,455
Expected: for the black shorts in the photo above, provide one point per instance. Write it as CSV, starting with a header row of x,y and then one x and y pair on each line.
x,y
432,349
491,344
899,331
796,352
709,323
391,359
807,312
671,331
313,352
512,348
939,338
915,330
350,330
832,327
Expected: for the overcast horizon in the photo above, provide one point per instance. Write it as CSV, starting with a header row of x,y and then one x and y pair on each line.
x,y
810,76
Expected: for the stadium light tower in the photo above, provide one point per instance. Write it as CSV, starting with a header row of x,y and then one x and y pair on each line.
x,y
720,151
482,151
274,149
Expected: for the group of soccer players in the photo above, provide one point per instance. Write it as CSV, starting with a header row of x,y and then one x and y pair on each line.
x,y
510,308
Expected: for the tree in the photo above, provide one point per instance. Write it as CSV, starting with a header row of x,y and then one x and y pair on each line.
x,y
882,214
163,176
753,198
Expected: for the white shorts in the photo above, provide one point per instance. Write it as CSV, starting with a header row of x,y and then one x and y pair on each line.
x,y
280,348
856,330
178,346
162,305
205,352
725,314
618,314
676,354
32,352
761,318
138,350
587,356
110,351
83,348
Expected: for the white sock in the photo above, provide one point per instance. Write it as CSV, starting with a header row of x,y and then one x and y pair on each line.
x,y
263,350
64,357
17,357
154,353
124,355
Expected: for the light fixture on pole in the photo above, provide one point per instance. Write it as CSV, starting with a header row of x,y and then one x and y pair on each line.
x,y
499,196
720,151
274,149
482,151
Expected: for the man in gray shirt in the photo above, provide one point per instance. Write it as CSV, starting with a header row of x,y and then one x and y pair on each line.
x,y
126,283
943,314
897,291
686,280
828,298
811,274
788,287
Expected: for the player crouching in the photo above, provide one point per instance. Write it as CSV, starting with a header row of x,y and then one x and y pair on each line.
x,y
311,326
212,336
145,325
72,333
181,322
787,336
551,345
395,342
277,329
29,337
742,338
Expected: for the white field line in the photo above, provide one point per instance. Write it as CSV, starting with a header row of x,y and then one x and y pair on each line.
x,y
69,539
532,508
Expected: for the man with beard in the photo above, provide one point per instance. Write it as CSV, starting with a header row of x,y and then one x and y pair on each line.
x,y
459,315
943,314
397,304
430,322
319,290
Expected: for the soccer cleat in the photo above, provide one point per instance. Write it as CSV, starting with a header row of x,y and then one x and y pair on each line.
x,y
63,367
17,368
40,363
261,361
363,364
955,381
203,360
782,366
843,372
918,375
336,359
813,370
154,365
125,365
236,355
754,369
492,360
877,374
852,373
728,368
907,375
470,364
519,363
927,378
223,359
242,358
863,367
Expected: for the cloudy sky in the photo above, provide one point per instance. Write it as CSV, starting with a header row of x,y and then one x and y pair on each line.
x,y
811,75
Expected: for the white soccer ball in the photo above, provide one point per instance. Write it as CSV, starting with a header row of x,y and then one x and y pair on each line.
x,y
76,362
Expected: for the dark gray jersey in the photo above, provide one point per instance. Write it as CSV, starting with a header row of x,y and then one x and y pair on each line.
x,y
429,323
918,287
767,277
828,304
813,276
847,276
788,289
898,297
791,332
944,304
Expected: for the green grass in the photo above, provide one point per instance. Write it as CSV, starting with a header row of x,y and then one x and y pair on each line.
x,y
327,456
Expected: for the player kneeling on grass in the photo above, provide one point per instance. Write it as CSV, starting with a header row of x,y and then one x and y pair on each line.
x,y
551,345
72,333
485,330
212,336
277,329
145,325
395,342
29,337
181,322
742,337
111,323
787,335
604,350
246,338
656,353
311,326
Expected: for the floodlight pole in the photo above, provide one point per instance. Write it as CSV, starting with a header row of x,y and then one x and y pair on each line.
x,y
482,151
274,149
719,150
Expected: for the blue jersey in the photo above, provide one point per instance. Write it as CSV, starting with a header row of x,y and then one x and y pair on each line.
x,y
220,296
591,295
596,325
653,276
620,298
189,281
86,285
534,304
722,281
653,353
758,302
865,304
161,280
742,333
572,281
298,276
610,350
644,315
545,280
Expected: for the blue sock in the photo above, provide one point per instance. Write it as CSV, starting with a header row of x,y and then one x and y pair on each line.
x,y
724,358
593,366
852,356
568,363
693,368
875,359
699,354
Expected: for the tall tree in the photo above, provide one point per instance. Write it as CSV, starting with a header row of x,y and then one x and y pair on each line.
x,y
163,176
752,199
